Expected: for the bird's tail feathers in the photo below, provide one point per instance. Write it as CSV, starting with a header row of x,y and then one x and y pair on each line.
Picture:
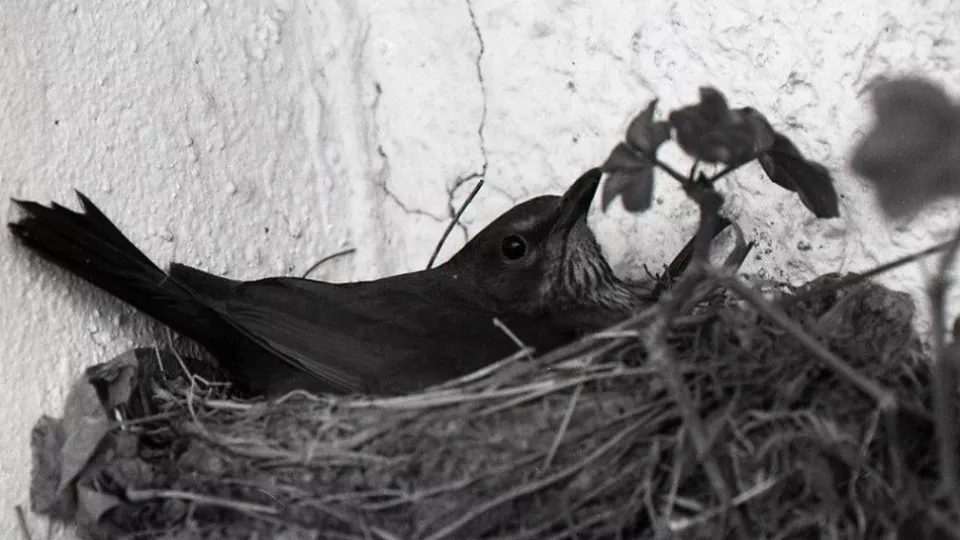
x,y
89,245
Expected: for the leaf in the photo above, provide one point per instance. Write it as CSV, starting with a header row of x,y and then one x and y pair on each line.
x,y
682,260
645,134
630,176
711,132
84,426
741,249
635,189
762,130
92,504
46,441
115,381
630,165
784,164
624,158
911,154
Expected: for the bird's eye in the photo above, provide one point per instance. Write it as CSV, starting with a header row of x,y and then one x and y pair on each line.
x,y
513,248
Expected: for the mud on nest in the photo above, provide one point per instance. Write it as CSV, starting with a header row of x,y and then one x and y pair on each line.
x,y
586,442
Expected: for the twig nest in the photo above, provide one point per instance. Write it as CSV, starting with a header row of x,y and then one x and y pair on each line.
x,y
585,441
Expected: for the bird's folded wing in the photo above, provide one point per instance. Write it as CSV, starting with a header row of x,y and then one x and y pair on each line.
x,y
354,336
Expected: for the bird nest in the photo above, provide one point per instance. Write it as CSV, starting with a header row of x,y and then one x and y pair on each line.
x,y
586,442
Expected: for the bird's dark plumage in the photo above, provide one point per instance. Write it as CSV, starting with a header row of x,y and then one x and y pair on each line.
x,y
537,268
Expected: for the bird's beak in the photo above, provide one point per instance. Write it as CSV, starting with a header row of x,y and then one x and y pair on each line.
x,y
575,203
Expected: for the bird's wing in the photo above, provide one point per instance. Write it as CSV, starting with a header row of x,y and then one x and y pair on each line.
x,y
359,336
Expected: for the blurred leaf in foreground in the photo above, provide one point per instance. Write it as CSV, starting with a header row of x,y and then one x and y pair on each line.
x,y
911,155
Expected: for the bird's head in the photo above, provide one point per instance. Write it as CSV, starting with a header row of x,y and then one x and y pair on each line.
x,y
540,258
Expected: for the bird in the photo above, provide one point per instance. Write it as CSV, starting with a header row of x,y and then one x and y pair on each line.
x,y
537,269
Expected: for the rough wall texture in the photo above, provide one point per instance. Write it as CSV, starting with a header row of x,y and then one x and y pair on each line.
x,y
253,138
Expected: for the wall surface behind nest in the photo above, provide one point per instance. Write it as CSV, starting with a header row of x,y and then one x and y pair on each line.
x,y
254,138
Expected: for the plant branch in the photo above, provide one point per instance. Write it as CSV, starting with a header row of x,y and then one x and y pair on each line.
x,y
693,169
330,257
662,356
945,385
652,158
729,169
453,223
710,201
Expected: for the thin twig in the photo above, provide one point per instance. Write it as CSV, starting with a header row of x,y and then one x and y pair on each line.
x,y
513,337
328,258
482,372
564,424
693,169
727,170
453,223
143,495
22,523
944,387
760,488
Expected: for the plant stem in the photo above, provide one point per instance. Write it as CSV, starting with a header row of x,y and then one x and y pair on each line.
x,y
945,387
330,257
693,169
663,357
710,201
727,170
684,181
453,223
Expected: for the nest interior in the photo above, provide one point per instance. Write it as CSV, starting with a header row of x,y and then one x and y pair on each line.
x,y
585,442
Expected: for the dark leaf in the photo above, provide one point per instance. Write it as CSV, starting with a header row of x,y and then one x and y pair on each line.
x,y
682,260
741,249
115,381
635,189
645,134
46,442
762,130
713,104
123,384
624,158
630,176
92,504
784,164
912,153
84,426
711,132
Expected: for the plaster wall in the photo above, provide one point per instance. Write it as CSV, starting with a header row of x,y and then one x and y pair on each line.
x,y
254,138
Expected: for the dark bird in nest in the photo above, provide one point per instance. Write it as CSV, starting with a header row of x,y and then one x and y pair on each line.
x,y
537,269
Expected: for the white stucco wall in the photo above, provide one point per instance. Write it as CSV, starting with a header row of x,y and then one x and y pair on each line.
x,y
256,137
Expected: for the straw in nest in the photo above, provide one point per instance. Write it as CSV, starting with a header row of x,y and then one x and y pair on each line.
x,y
585,442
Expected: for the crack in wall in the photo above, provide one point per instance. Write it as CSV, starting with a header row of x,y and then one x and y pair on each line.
x,y
482,173
384,173
381,179
382,183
